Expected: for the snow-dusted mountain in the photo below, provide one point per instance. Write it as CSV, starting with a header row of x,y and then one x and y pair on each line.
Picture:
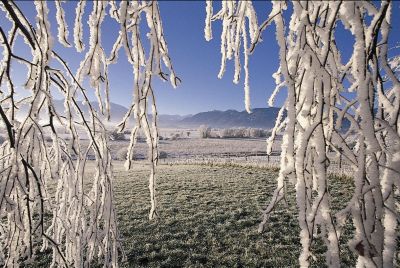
x,y
259,118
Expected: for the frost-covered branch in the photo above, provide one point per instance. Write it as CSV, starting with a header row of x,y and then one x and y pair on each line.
x,y
45,200
324,118
144,69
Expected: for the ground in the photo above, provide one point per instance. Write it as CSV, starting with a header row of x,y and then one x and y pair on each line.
x,y
249,151
210,196
208,217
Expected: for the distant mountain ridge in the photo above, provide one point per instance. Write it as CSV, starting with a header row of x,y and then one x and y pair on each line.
x,y
259,118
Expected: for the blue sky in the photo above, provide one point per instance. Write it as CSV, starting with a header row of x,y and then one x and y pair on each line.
x,y
196,61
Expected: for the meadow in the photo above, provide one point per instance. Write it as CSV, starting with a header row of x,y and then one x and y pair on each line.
x,y
210,196
208,217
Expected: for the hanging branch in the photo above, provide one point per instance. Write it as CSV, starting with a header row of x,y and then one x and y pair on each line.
x,y
312,72
129,16
44,145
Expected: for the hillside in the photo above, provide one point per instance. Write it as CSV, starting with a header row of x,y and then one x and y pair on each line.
x,y
260,118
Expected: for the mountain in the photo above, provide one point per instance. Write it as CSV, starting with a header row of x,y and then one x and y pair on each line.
x,y
167,120
117,113
259,118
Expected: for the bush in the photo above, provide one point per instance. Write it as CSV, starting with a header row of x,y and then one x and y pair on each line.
x,y
242,133
175,137
117,136
256,133
162,154
123,153
215,135
226,133
234,133
205,132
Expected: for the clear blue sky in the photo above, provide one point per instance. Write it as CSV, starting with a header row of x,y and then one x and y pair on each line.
x,y
196,61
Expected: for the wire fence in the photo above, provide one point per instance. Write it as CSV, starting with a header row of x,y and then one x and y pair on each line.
x,y
260,159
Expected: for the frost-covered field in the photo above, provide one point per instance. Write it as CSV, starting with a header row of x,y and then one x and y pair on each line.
x,y
195,150
191,147
208,217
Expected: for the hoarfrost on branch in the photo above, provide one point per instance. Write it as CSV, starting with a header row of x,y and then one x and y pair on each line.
x,y
322,92
44,203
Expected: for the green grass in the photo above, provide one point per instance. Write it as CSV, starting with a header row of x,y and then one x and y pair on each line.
x,y
208,217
